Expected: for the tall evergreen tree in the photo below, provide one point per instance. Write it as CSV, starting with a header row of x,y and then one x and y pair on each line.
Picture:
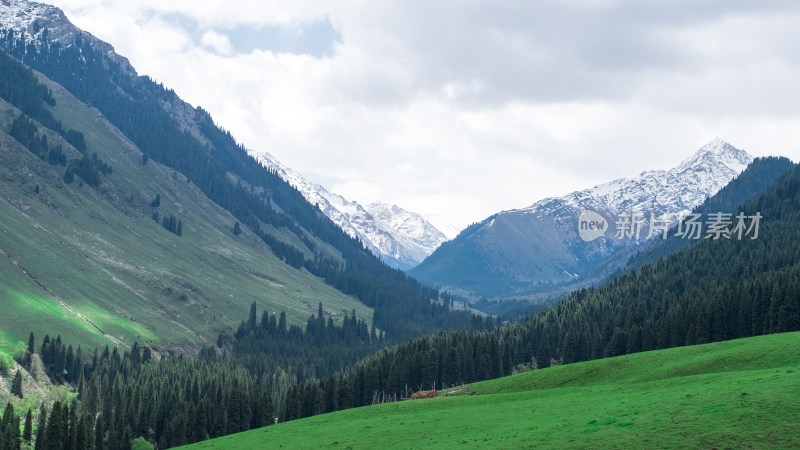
x,y
27,433
16,384
41,428
31,343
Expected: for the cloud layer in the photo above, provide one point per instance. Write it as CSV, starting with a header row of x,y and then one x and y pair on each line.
x,y
472,107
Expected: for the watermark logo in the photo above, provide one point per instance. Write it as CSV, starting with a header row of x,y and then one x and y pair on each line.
x,y
591,225
718,225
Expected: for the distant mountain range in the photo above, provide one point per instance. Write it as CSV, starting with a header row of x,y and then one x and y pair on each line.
x,y
402,239
538,249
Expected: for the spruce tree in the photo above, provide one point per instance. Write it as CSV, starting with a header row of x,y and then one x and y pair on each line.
x,y
31,344
16,384
9,429
98,433
27,433
41,428
56,424
83,433
251,322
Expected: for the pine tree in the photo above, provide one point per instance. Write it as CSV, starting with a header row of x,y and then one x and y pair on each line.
x,y
41,428
16,384
237,229
71,428
99,441
31,344
156,201
251,322
84,432
9,429
56,424
8,414
282,324
27,433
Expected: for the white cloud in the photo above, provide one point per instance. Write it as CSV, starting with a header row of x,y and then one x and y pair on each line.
x,y
217,42
486,105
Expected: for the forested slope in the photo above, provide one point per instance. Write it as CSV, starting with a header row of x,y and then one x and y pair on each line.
x,y
714,290
101,248
162,126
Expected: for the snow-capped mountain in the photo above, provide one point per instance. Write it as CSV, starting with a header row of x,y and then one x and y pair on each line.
x,y
417,235
672,192
401,238
402,241
537,248
33,19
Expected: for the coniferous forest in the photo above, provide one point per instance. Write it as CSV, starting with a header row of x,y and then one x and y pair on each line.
x,y
266,371
674,293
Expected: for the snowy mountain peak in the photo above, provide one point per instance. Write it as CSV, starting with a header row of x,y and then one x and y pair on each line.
x,y
539,249
21,15
716,146
401,238
720,153
423,235
31,20
673,191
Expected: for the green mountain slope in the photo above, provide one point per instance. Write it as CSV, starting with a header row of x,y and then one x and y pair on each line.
x,y
185,139
87,262
740,393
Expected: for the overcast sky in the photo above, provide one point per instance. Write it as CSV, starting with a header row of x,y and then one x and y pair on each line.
x,y
468,108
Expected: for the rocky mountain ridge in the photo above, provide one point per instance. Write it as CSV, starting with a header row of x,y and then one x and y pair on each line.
x,y
538,248
401,238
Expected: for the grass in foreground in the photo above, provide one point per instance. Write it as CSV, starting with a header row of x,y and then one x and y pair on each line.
x,y
742,393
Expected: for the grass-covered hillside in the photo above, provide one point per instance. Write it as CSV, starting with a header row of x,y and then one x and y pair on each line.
x,y
743,393
91,264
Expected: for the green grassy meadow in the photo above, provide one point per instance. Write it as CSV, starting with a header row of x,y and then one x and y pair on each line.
x,y
122,276
737,394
